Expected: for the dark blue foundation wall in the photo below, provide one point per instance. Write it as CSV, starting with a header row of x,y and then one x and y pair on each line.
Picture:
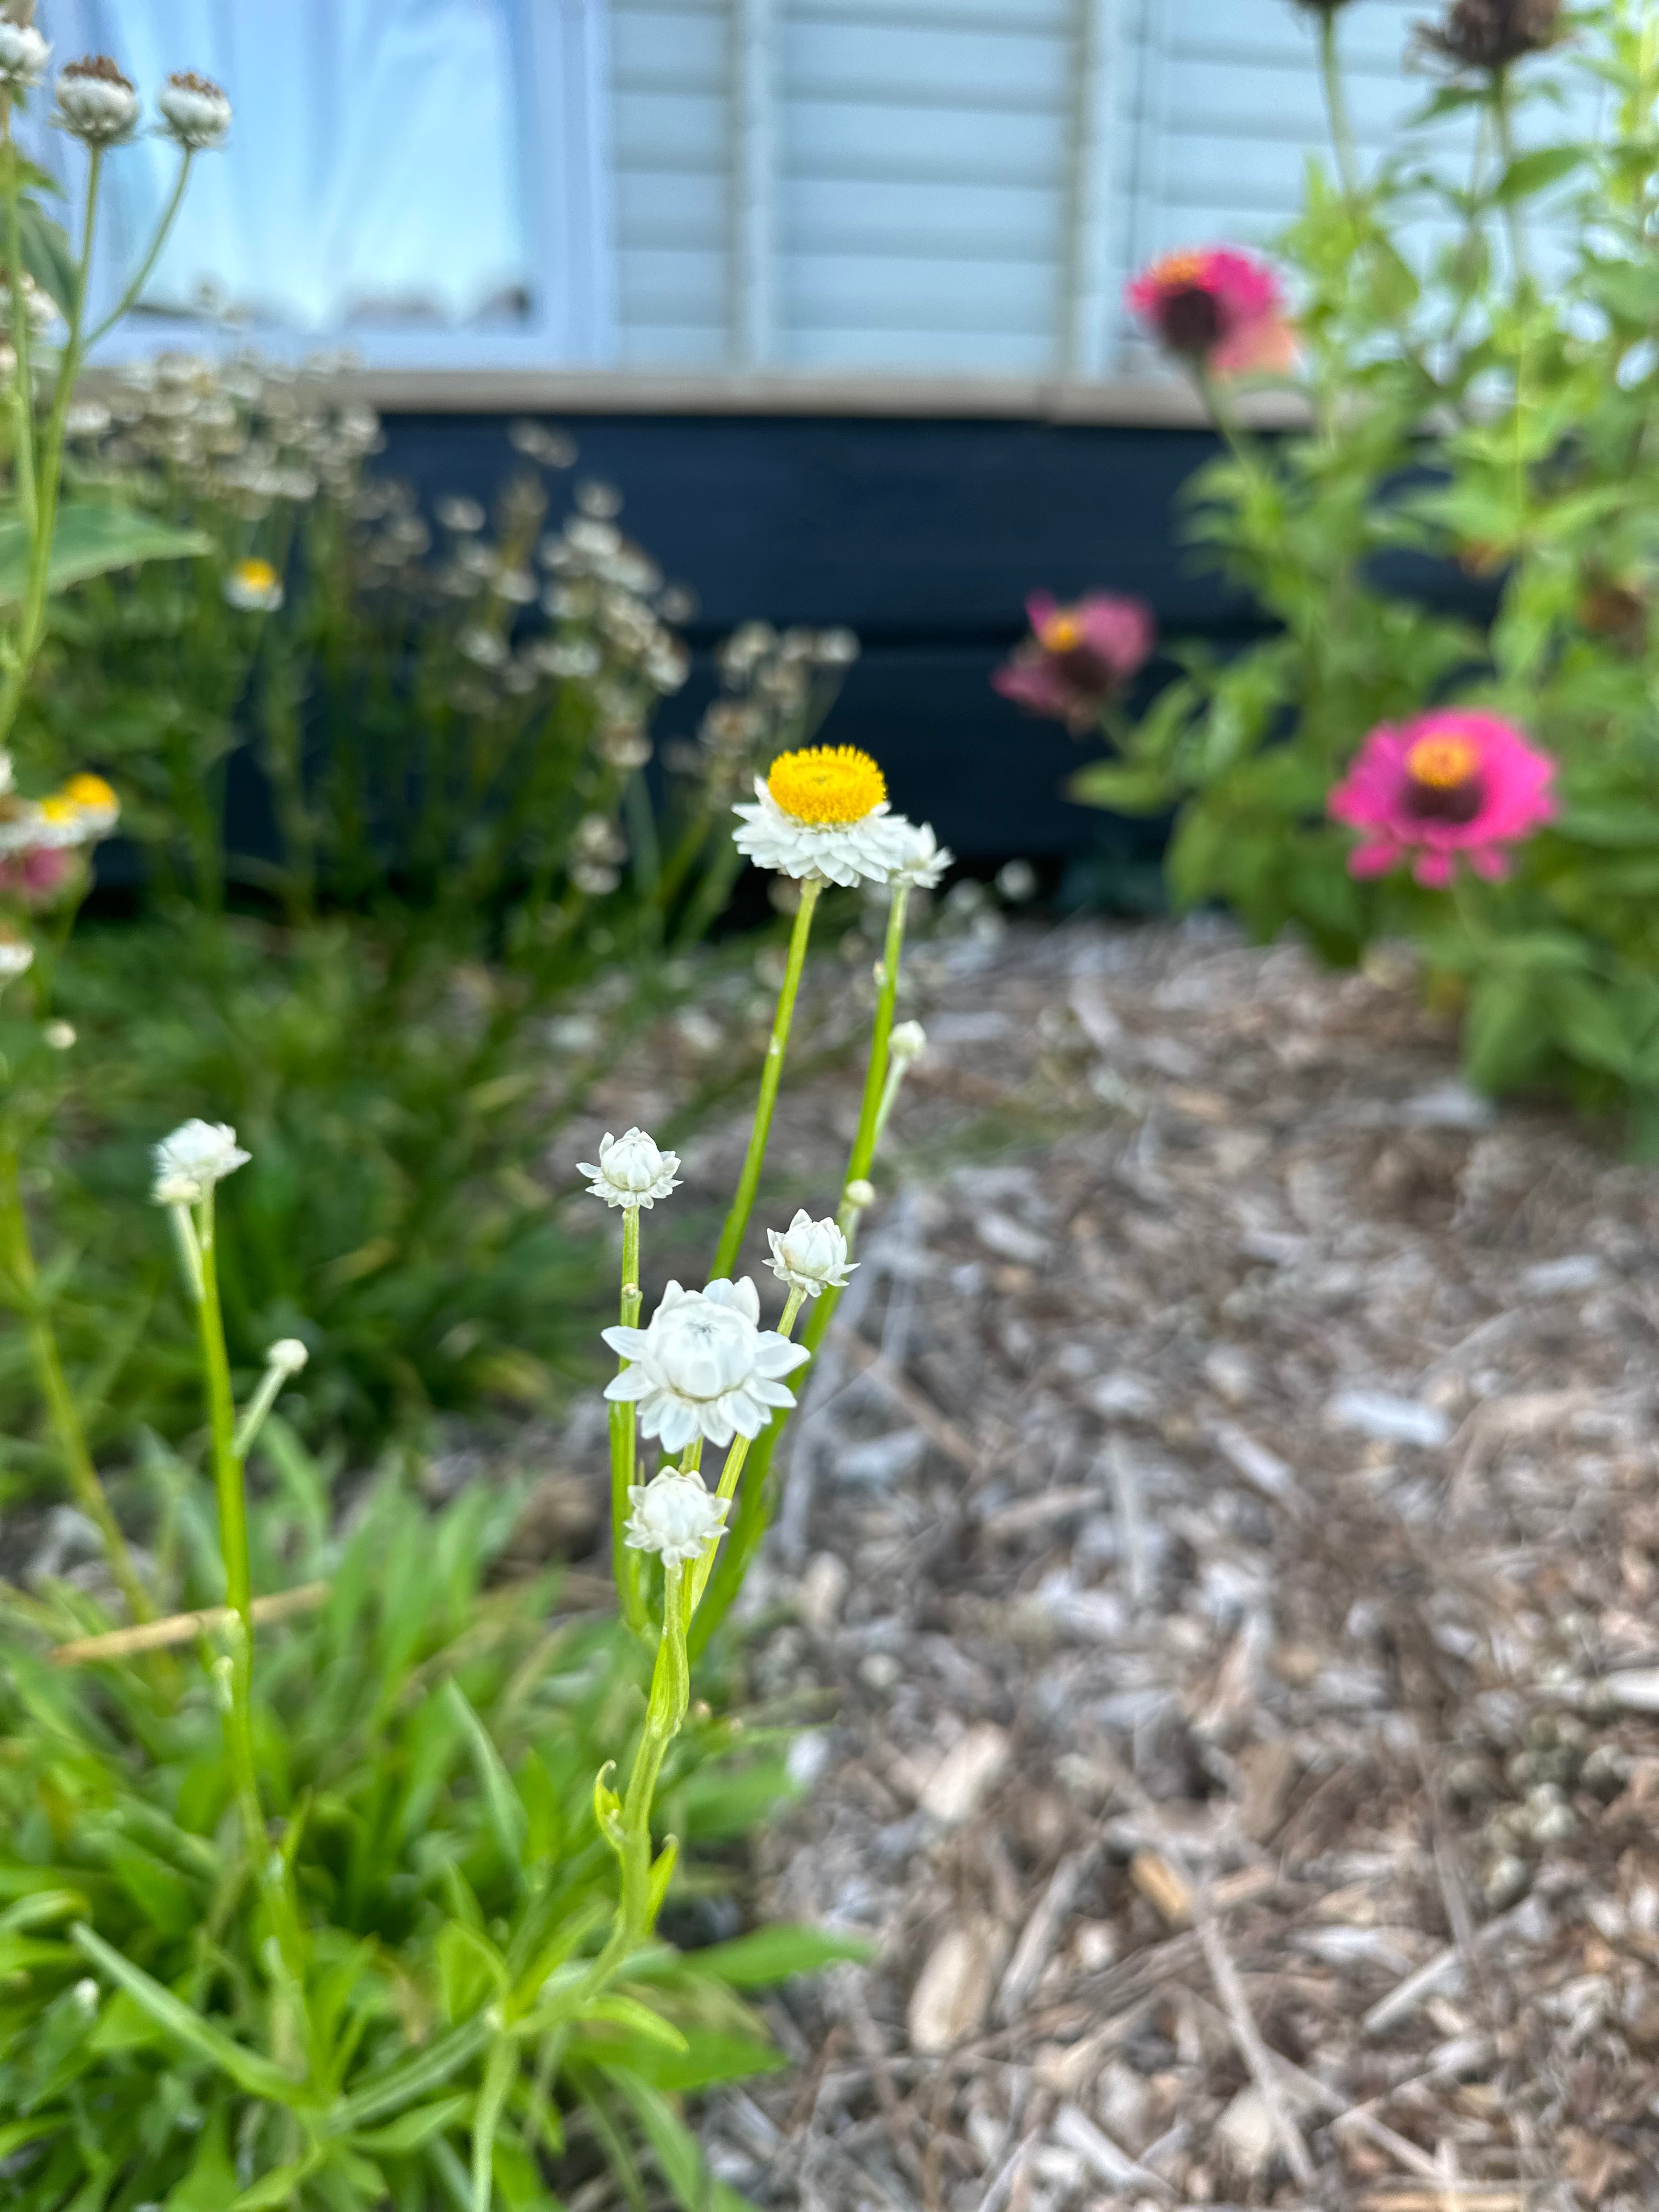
x,y
923,537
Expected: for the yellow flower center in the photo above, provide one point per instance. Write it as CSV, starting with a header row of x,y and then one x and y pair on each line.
x,y
1060,633
827,783
60,807
90,792
1442,762
256,575
1177,270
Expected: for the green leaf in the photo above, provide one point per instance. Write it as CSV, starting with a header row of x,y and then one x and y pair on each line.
x,y
91,538
47,255
675,2148
500,2072
508,1816
414,2129
773,1954
245,2068
630,2013
278,2188
211,2182
401,2084
1537,171
1126,789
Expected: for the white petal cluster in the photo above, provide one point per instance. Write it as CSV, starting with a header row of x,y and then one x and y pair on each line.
x,y
908,1042
16,958
23,55
96,103
677,1517
846,852
194,110
922,860
288,1355
188,1164
631,1170
253,587
809,1256
704,1367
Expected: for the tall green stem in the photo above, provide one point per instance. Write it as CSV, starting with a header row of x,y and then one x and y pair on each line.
x,y
1336,106
146,267
1515,221
23,389
18,1256
671,1693
624,1440
771,1074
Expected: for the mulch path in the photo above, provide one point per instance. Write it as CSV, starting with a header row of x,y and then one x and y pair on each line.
x,y
1219,1548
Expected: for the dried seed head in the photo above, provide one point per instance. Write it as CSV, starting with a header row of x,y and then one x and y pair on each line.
x,y
1492,34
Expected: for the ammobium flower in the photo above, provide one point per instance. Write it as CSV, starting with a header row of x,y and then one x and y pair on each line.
x,y
23,56
1218,308
96,103
704,1367
631,1170
822,812
1078,657
908,1042
922,859
809,1256
194,110
188,1164
677,1515
16,957
1452,782
254,586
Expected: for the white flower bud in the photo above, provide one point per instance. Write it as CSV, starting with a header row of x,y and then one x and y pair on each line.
x,y
85,1994
288,1355
908,1042
23,56
921,859
16,958
196,1156
96,102
675,1516
631,1170
60,1036
861,1193
810,1256
194,110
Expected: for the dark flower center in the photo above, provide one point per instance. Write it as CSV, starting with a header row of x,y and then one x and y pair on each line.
x,y
1190,319
1444,802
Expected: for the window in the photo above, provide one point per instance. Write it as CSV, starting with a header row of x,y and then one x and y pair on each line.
x,y
832,186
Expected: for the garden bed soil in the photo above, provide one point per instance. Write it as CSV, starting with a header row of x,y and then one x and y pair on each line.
x,y
1217,1560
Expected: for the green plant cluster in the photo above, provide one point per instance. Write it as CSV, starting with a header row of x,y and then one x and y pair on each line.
x,y
1468,513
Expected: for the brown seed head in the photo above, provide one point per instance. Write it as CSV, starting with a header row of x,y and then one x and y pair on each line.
x,y
1492,34
98,66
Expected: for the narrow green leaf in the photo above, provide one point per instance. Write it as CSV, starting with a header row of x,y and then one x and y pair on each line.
x,y
429,2070
499,2076
277,2188
245,2068
411,2129
508,1816
675,2148
773,1954
1537,171
629,2012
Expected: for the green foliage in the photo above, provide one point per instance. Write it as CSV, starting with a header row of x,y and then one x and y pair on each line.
x,y
426,1747
91,539
1481,412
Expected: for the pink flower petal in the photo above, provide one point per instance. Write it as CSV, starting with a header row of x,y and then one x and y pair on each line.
x,y
1433,870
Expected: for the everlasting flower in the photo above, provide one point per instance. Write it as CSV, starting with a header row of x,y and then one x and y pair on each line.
x,y
16,958
23,56
631,1170
196,1156
1078,657
96,103
254,586
94,803
704,1367
908,1042
921,859
1219,309
194,110
677,1517
810,1256
1445,783
822,812
288,1355
1491,35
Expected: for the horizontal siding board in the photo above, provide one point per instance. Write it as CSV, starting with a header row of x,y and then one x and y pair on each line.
x,y
654,202
920,217
659,130
669,48
1015,16
967,353
827,288
950,146
887,64
684,284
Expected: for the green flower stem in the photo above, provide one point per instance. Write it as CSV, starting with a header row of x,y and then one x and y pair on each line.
x,y
671,1693
253,1418
1515,221
737,1220
26,640
221,1420
23,388
153,254
17,1256
1336,106
755,1505
624,1441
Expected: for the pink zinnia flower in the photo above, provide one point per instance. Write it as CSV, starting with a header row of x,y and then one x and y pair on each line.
x,y
1219,309
36,875
1078,657
1449,782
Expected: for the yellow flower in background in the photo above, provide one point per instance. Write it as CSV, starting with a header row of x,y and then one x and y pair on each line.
x,y
254,586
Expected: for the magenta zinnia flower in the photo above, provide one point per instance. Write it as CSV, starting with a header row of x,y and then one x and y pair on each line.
x,y
1078,657
1453,782
36,875
1219,309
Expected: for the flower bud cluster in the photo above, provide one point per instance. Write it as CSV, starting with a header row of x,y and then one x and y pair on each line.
x,y
43,840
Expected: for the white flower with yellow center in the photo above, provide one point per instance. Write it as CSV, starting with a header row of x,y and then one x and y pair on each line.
x,y
922,860
677,1517
196,1156
704,1367
254,587
822,812
631,1170
23,55
96,102
194,110
810,1256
